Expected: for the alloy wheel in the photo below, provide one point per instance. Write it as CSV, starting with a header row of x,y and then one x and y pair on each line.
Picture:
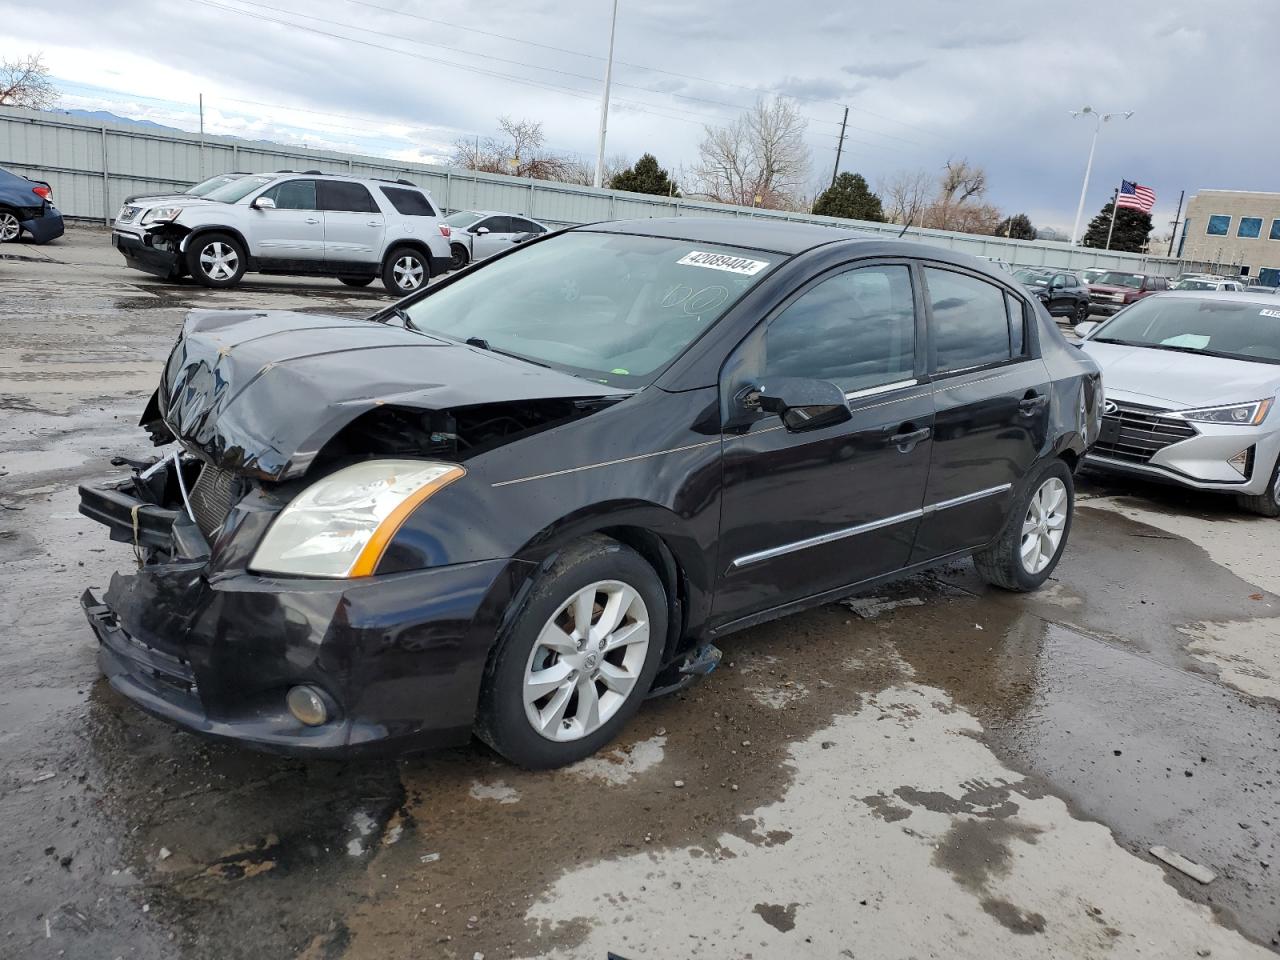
x,y
408,272
219,261
9,227
1043,526
586,661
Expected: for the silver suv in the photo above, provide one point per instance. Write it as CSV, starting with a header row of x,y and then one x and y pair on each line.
x,y
300,224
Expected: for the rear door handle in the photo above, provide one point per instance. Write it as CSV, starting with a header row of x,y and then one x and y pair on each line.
x,y
1029,406
906,441
311,220
375,223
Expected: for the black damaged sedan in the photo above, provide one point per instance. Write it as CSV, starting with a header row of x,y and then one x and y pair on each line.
x,y
523,500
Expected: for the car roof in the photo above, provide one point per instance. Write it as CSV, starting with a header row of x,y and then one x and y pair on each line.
x,y
1262,299
772,235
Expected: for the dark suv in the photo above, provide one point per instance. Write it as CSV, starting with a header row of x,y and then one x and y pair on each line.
x,y
1062,293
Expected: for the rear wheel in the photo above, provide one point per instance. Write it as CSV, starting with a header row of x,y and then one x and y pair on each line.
x,y
578,659
357,281
1035,533
1266,504
405,271
10,227
216,260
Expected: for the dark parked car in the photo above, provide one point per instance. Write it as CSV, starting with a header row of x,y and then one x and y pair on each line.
x,y
524,499
1062,293
1116,289
26,206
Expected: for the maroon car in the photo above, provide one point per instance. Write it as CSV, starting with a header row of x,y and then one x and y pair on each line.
x,y
1116,289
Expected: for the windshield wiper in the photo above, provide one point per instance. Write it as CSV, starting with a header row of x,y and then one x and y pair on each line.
x,y
1123,343
484,344
404,318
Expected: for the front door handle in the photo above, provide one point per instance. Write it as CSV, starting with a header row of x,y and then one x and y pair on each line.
x,y
311,220
907,440
375,223
1029,406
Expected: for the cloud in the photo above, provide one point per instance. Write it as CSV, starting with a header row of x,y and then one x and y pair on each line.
x,y
885,70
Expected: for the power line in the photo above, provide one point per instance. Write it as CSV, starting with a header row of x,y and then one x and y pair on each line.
x,y
641,66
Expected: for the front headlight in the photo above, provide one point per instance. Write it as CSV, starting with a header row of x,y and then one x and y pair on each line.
x,y
161,214
340,526
1238,414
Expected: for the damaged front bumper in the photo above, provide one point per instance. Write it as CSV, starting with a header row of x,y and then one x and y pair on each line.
x,y
151,251
204,643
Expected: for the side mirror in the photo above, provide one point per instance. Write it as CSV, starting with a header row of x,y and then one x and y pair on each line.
x,y
263,203
481,231
1086,328
801,403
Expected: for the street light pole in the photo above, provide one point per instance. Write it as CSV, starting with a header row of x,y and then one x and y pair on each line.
x,y
604,100
1099,120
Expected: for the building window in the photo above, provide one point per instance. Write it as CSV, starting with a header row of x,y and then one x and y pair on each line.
x,y
1219,225
1275,229
1250,228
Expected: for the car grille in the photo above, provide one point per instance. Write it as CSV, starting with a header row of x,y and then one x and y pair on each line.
x,y
127,214
211,498
1135,434
1106,298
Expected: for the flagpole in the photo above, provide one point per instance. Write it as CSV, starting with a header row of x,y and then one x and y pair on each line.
x,y
1115,197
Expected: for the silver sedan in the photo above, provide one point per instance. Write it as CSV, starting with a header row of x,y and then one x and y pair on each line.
x,y
1191,380
477,234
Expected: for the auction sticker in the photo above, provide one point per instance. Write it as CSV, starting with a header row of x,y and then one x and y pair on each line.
x,y
1265,313
722,261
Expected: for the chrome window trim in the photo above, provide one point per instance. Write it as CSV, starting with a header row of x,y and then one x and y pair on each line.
x,y
883,388
880,524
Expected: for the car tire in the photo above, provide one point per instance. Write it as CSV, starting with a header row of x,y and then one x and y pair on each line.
x,y
10,225
357,281
1264,504
458,256
216,260
405,271
1081,313
544,724
1035,533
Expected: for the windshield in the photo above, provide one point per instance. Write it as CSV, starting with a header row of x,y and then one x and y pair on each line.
x,y
608,307
237,189
1196,285
1113,279
1225,328
1031,276
206,187
462,219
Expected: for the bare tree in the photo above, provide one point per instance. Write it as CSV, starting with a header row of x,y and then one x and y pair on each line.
x,y
961,182
25,83
518,151
760,154
905,195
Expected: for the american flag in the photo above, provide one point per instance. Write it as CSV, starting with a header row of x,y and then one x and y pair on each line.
x,y
1135,195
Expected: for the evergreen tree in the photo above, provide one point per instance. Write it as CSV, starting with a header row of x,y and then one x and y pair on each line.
x,y
850,197
645,177
1130,234
1017,227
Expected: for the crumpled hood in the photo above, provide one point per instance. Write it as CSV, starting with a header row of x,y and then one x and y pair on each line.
x,y
1182,380
261,392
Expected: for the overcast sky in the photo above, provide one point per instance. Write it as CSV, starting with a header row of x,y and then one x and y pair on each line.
x,y
925,80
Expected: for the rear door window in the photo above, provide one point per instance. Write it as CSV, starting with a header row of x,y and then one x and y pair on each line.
x,y
520,225
341,195
970,324
411,203
856,329
495,224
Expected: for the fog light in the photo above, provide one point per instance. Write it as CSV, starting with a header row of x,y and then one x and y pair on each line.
x,y
307,705
1243,462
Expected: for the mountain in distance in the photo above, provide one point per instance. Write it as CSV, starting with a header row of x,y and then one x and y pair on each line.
x,y
106,116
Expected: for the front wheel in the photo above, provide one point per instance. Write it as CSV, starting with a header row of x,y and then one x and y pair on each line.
x,y
356,281
458,256
216,260
1081,313
1267,503
405,271
1034,534
578,659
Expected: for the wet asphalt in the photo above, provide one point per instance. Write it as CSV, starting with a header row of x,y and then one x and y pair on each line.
x,y
946,771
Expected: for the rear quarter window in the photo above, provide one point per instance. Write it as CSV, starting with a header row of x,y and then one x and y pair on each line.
x,y
411,203
970,321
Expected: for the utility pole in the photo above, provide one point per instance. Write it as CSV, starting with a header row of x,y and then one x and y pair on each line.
x,y
1115,195
839,147
1176,217
604,99
202,136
